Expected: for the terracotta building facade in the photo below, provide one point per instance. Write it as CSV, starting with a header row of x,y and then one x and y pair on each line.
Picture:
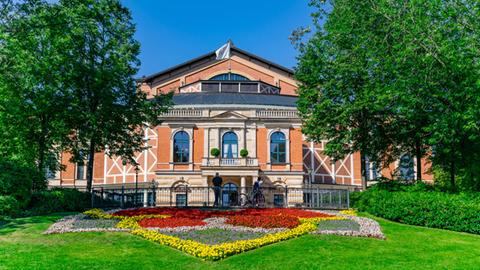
x,y
244,108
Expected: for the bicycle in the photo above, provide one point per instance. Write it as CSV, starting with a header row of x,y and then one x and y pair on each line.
x,y
255,199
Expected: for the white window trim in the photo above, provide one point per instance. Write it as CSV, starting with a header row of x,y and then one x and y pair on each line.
x,y
189,131
239,140
285,132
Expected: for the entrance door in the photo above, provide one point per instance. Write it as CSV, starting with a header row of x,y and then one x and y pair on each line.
x,y
230,195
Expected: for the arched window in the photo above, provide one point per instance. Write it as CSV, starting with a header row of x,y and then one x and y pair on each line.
x,y
278,148
405,168
230,145
181,145
229,77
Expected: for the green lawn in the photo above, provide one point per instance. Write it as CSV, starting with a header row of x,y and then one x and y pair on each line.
x,y
22,246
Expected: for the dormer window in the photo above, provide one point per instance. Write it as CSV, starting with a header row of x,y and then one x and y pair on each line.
x,y
229,77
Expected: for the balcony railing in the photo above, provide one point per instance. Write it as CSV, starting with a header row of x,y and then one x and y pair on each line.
x,y
188,113
276,114
231,87
230,162
183,113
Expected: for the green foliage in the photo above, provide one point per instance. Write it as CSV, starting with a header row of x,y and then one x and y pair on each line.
x,y
416,205
109,107
33,85
215,152
67,83
58,200
9,206
19,181
244,153
392,77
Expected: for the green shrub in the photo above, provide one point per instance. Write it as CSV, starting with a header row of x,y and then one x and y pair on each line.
x,y
215,152
415,205
244,153
9,206
58,200
18,181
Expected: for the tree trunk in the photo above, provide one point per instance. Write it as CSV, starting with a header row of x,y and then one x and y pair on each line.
x,y
418,150
452,174
42,147
91,159
363,170
41,161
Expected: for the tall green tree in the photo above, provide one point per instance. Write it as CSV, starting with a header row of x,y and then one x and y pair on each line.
x,y
33,96
110,110
338,99
419,87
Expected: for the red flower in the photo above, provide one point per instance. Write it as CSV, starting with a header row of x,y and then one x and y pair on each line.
x,y
264,221
251,217
169,222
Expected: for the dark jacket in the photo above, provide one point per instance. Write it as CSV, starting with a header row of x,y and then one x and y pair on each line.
x,y
217,181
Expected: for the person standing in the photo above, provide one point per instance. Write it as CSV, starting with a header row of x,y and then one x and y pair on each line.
x,y
257,190
217,187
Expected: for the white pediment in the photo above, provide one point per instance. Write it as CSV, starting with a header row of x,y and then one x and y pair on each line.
x,y
228,115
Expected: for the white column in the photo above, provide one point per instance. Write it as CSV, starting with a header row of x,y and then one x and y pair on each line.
x,y
105,164
206,143
352,170
311,177
243,185
145,197
334,173
190,154
145,156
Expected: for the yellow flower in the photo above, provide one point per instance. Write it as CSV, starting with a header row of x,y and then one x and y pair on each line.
x,y
349,212
125,222
220,251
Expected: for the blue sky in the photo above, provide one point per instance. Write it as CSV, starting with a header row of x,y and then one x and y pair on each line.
x,y
172,32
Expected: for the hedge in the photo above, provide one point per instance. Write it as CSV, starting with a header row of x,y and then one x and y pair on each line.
x,y
456,212
18,181
58,200
9,206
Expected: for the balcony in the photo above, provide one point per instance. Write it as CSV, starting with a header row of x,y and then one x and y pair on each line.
x,y
230,162
249,87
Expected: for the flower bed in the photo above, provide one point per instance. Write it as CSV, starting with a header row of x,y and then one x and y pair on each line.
x,y
338,225
213,235
170,222
224,250
264,221
86,223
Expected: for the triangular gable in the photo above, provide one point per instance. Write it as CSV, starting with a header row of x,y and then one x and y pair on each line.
x,y
230,115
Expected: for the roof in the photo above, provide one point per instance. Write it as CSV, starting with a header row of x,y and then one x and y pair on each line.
x,y
213,56
207,98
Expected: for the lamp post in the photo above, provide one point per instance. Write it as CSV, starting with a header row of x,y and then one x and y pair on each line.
x,y
309,170
122,202
136,184
309,192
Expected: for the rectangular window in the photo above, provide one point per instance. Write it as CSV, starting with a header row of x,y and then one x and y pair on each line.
x,y
181,200
81,171
49,174
277,153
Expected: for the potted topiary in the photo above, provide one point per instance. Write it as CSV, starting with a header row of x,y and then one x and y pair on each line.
x,y
215,152
244,153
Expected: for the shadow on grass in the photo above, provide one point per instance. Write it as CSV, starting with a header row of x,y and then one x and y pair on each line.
x,y
12,225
